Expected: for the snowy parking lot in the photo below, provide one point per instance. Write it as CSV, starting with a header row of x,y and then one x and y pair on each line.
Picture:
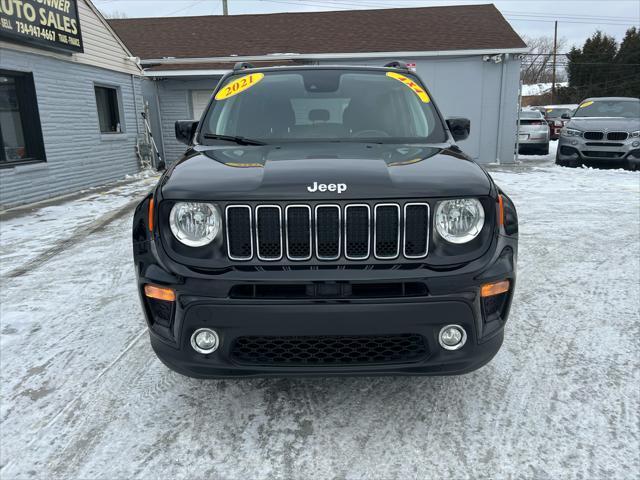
x,y
84,397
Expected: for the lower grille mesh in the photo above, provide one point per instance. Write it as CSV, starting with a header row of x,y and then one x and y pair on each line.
x,y
329,350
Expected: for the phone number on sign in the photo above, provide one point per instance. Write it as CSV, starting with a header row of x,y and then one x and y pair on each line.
x,y
35,31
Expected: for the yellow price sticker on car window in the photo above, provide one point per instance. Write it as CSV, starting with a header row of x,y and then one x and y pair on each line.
x,y
417,89
239,85
586,104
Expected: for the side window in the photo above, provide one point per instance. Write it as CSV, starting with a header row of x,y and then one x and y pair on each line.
x,y
108,109
20,132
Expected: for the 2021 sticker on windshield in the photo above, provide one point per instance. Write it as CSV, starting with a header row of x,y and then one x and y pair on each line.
x,y
239,85
419,91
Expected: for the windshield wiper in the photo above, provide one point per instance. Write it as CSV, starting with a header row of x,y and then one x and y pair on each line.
x,y
231,138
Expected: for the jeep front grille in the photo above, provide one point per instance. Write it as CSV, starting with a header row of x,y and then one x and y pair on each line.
x,y
328,232
328,350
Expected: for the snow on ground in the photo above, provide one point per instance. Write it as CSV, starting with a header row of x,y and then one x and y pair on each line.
x,y
25,237
84,397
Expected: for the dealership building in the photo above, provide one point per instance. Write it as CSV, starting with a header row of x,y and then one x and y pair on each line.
x,y
71,97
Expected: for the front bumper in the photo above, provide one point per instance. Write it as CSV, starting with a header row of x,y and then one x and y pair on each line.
x,y
577,151
379,320
227,303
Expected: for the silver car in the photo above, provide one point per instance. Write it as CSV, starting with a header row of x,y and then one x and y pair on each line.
x,y
603,131
533,133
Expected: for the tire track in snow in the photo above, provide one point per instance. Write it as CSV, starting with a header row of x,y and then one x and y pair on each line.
x,y
76,237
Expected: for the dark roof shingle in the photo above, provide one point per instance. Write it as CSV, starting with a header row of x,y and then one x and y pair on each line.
x,y
467,27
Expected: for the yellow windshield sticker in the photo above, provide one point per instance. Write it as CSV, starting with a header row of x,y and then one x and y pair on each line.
x,y
586,104
417,89
239,85
549,110
244,165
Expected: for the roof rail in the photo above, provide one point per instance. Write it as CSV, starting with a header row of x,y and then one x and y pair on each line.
x,y
398,65
243,66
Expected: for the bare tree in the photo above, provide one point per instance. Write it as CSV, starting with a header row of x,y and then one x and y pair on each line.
x,y
116,14
537,65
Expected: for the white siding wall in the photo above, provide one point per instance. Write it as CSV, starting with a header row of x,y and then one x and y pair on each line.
x,y
77,154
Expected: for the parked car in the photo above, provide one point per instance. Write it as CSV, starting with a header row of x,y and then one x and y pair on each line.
x,y
324,221
603,131
533,133
557,117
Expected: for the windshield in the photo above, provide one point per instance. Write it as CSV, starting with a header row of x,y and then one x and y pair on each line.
x,y
557,112
609,108
530,114
323,105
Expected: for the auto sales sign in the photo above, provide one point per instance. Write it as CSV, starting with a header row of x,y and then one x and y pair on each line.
x,y
50,24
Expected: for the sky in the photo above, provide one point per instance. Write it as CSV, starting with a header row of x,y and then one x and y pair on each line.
x,y
578,19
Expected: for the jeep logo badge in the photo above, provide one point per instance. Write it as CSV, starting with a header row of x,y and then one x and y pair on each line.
x,y
327,187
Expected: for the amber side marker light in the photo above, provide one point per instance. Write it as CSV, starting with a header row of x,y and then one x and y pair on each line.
x,y
151,207
160,293
501,212
491,289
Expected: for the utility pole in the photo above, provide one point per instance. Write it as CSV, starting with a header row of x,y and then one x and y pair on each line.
x,y
225,8
553,73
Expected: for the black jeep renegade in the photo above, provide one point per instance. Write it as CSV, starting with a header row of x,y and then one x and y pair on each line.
x,y
323,221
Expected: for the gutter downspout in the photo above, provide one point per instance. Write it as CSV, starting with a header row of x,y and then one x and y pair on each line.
x,y
501,106
517,152
135,104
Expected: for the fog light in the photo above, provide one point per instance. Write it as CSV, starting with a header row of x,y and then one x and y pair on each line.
x,y
574,142
452,337
205,340
635,144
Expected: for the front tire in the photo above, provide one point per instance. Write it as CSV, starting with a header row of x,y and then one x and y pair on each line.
x,y
566,163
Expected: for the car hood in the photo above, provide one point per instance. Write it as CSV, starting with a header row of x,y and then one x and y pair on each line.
x,y
283,172
605,123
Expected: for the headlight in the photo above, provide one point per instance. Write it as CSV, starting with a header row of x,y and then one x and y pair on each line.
x,y
459,221
570,132
635,134
195,224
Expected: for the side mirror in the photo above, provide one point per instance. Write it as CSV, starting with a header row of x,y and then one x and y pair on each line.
x,y
185,129
460,127
565,116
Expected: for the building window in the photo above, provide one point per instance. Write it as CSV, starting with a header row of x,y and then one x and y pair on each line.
x,y
20,132
108,109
